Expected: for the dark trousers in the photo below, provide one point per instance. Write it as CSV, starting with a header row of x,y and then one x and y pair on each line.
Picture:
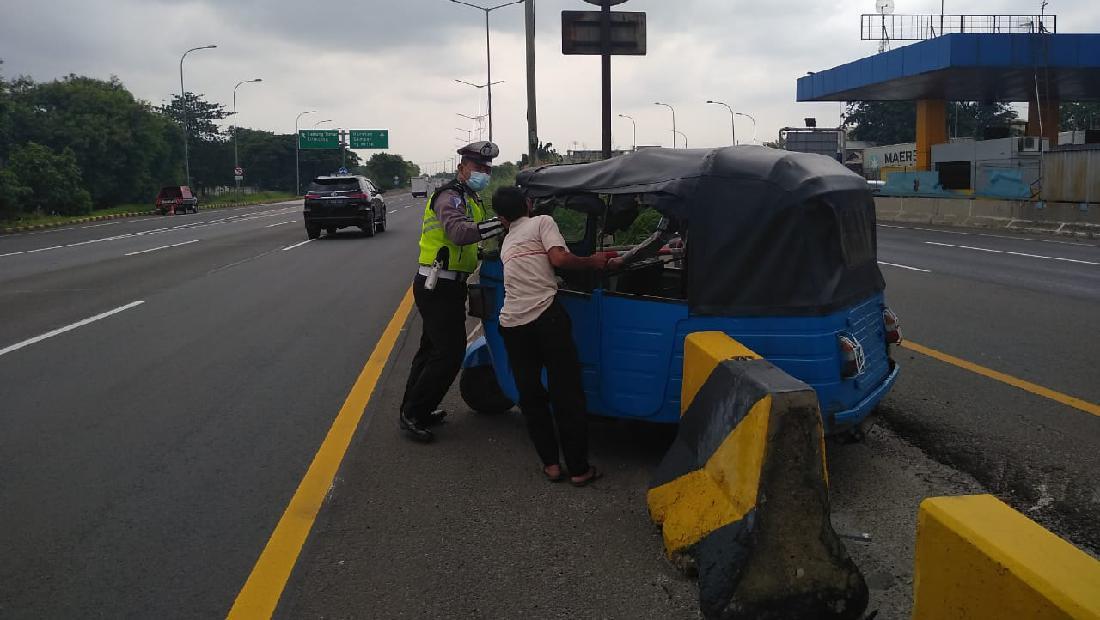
x,y
442,346
547,342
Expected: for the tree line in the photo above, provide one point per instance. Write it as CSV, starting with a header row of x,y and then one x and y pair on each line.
x,y
75,144
891,122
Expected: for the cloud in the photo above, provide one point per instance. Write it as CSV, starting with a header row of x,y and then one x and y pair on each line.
x,y
391,63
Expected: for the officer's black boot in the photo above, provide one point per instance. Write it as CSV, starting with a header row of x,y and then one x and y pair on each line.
x,y
416,430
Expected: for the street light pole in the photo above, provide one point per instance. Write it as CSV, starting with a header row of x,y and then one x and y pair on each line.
x,y
684,136
532,116
749,116
733,125
327,120
183,108
673,121
488,57
236,162
635,123
297,148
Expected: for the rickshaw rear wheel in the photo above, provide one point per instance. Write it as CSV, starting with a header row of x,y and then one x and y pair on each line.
x,y
481,391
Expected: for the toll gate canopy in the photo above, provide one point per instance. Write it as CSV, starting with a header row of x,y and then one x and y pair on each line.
x,y
968,67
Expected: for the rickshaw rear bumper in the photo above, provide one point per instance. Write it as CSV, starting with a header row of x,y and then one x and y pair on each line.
x,y
841,421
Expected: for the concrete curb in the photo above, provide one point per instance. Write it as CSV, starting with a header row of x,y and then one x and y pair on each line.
x,y
978,558
743,496
114,216
1055,218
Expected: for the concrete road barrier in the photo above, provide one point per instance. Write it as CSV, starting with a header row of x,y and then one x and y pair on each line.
x,y
976,212
742,495
978,558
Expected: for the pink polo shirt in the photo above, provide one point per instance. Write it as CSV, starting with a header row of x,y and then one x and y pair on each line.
x,y
529,282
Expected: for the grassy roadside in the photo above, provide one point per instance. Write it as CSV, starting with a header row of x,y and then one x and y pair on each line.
x,y
220,202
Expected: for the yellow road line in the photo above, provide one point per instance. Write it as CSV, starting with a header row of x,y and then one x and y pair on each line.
x,y
260,594
1027,386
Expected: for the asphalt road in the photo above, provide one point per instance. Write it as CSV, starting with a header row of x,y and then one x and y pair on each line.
x,y
146,456
1024,306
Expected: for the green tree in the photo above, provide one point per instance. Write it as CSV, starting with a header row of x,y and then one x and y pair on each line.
x,y
894,122
124,148
881,122
383,168
13,194
1079,115
53,180
202,117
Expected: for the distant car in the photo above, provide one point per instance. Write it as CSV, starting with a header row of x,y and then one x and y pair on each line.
x,y
338,202
176,199
421,187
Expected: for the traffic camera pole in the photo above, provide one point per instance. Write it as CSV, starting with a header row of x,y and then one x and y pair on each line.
x,y
532,117
605,40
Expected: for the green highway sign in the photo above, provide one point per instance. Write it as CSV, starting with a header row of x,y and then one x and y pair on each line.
x,y
369,139
318,139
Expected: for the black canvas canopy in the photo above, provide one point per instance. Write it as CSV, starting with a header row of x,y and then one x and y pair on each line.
x,y
769,232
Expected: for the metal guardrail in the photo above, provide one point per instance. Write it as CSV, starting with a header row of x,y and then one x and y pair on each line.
x,y
889,27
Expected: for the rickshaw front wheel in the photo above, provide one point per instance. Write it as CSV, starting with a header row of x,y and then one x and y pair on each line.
x,y
479,388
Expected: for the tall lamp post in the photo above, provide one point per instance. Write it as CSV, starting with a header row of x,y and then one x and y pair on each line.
x,y
684,136
297,148
635,123
236,162
183,108
733,125
749,116
327,120
673,121
488,58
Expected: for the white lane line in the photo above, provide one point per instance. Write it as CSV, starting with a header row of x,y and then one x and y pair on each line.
x,y
1074,260
1086,245
1028,255
394,211
946,232
279,224
44,248
70,327
162,247
10,254
970,247
101,225
176,245
906,267
409,207
297,245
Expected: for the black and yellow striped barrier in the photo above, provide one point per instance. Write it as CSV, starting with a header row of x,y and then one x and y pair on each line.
x,y
743,492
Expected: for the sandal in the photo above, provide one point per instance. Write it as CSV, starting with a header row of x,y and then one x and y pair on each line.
x,y
591,476
549,478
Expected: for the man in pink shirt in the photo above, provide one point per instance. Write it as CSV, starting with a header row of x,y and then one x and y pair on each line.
x,y
538,334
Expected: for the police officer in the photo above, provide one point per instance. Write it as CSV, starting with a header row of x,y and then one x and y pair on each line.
x,y
453,225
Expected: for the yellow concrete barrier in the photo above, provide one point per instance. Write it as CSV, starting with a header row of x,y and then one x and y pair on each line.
x,y
979,559
742,494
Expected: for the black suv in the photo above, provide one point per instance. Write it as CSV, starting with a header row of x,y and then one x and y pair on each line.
x,y
337,202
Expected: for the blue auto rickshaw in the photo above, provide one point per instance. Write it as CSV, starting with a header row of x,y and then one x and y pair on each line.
x,y
775,248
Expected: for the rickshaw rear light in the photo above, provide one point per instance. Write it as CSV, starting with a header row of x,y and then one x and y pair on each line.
x,y
893,326
852,360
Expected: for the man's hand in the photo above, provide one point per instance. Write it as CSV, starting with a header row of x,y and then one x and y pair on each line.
x,y
615,264
599,260
490,228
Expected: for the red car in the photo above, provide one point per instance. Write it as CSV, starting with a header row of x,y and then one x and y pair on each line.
x,y
176,199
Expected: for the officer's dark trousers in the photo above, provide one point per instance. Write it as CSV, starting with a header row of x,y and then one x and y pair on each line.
x,y
547,342
442,345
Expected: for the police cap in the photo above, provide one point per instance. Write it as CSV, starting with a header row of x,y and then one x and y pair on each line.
x,y
480,152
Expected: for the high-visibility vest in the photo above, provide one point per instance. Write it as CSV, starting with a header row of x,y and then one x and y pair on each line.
x,y
432,238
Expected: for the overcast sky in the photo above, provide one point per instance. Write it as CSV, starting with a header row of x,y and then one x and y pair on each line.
x,y
390,64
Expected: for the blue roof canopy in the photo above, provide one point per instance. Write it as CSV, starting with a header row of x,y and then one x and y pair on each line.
x,y
967,67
